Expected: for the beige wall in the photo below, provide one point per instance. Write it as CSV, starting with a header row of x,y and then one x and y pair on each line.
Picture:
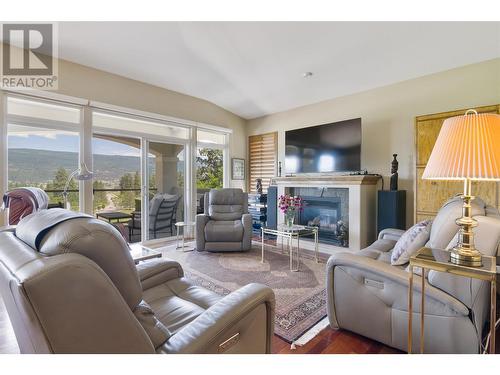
x,y
388,115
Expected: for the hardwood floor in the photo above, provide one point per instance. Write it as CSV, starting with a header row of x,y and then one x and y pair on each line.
x,y
330,341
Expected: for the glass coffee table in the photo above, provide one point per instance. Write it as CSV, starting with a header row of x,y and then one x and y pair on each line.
x,y
291,233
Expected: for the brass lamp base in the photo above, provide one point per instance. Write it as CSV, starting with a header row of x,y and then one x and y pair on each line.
x,y
465,258
465,253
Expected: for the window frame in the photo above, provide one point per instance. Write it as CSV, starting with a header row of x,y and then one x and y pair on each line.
x,y
86,129
42,124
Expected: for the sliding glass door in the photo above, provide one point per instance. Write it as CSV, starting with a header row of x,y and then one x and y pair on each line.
x,y
165,197
139,183
117,182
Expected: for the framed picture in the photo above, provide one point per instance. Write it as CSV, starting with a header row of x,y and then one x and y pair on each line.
x,y
238,169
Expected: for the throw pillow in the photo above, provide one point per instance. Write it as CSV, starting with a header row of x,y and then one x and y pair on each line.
x,y
410,242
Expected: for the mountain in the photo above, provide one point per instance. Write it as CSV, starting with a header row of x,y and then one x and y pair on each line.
x,y
40,166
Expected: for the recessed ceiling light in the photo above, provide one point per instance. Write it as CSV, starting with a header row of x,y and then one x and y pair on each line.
x,y
307,74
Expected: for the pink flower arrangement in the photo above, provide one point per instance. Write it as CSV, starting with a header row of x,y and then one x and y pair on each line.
x,y
287,203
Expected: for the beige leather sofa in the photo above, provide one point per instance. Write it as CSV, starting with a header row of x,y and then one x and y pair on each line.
x,y
76,289
369,296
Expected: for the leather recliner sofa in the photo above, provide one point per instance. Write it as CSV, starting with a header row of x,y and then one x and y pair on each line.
x,y
76,289
369,296
225,224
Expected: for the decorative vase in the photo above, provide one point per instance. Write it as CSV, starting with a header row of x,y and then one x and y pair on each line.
x,y
289,218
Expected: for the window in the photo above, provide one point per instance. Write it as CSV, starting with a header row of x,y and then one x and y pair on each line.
x,y
210,160
262,151
42,110
210,163
43,144
213,138
209,168
111,122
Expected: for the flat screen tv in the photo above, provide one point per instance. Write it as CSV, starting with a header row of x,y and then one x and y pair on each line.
x,y
334,147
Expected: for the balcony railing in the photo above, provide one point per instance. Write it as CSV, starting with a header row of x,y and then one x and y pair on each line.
x,y
95,190
118,190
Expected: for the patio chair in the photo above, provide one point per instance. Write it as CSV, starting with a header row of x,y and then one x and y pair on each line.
x,y
162,216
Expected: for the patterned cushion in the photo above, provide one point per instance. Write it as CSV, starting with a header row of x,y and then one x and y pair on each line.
x,y
410,242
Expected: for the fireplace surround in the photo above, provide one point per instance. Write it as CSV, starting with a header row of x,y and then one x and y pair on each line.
x,y
328,209
358,211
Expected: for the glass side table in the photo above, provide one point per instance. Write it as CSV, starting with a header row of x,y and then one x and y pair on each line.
x,y
183,225
292,233
439,260
141,253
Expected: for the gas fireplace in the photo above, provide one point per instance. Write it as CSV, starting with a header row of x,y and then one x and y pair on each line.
x,y
328,210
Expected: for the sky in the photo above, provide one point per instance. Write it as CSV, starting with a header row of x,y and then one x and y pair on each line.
x,y
70,143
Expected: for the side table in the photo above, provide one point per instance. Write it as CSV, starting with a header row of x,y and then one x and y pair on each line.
x,y
141,253
291,233
183,225
439,260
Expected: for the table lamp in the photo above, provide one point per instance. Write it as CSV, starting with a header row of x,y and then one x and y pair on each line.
x,y
467,149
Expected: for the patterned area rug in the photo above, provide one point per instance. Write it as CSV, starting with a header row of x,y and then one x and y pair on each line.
x,y
300,296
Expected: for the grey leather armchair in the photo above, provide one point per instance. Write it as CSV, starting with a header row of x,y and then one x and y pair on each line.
x,y
369,296
77,290
226,224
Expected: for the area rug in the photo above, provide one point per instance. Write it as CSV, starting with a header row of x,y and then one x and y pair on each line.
x,y
300,296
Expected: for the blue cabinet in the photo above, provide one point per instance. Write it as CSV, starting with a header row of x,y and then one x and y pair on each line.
x,y
391,209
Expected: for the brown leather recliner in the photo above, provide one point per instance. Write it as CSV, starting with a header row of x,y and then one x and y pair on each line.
x,y
76,289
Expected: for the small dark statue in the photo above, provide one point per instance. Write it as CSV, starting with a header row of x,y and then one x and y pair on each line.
x,y
259,186
343,233
394,173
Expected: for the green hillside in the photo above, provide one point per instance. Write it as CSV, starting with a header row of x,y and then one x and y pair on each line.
x,y
30,166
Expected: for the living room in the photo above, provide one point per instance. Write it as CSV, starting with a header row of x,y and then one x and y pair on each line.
x,y
261,187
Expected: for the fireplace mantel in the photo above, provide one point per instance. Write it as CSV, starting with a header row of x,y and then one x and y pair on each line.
x,y
329,180
362,203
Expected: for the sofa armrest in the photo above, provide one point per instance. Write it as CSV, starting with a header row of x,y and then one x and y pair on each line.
x,y
390,234
395,281
246,220
241,322
158,271
8,228
201,222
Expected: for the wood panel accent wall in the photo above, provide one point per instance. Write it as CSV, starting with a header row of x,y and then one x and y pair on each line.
x,y
262,159
431,195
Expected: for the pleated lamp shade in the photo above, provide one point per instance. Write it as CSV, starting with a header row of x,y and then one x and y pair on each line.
x,y
467,147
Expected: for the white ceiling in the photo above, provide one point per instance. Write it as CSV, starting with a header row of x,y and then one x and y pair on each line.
x,y
255,68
